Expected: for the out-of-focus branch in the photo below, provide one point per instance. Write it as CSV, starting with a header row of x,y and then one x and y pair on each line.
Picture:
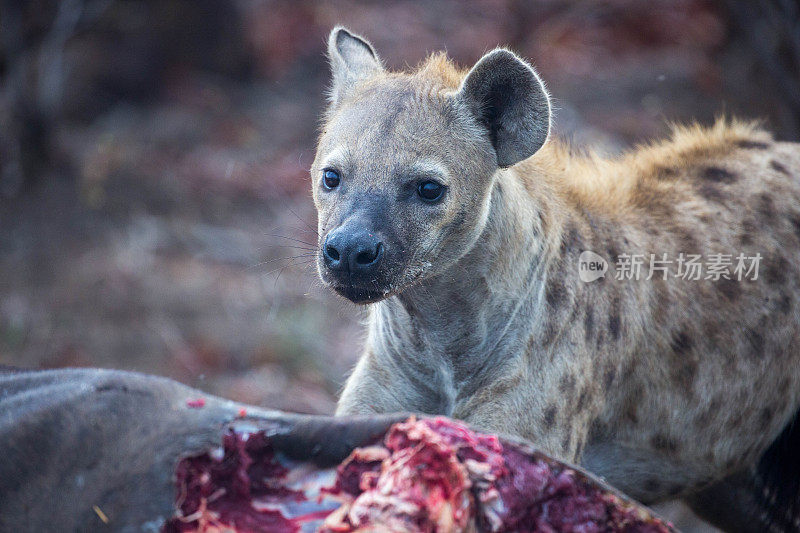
x,y
10,84
772,29
72,14
32,87
50,80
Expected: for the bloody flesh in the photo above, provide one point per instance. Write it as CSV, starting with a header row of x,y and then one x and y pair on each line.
x,y
430,475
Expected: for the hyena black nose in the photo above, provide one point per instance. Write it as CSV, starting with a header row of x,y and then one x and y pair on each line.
x,y
357,251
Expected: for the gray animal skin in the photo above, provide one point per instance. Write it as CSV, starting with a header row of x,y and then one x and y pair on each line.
x,y
77,438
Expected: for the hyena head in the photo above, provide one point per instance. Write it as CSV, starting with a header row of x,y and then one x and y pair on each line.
x,y
406,162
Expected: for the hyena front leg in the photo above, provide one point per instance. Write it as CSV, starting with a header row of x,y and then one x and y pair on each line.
x,y
382,385
554,414
367,391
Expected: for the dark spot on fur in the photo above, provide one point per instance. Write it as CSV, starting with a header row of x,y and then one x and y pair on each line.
x,y
614,319
703,420
608,378
531,348
630,409
567,384
666,173
650,197
597,430
794,220
652,485
550,331
582,399
718,175
754,145
632,412
588,323
784,304
735,423
684,373
556,293
729,288
566,442
601,338
749,228
663,301
674,490
713,330
756,342
783,388
765,418
712,193
766,207
571,240
688,240
630,370
681,343
775,270
778,167
612,254
550,416
458,220
662,442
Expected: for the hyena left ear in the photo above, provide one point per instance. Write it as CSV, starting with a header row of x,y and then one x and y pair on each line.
x,y
508,98
352,59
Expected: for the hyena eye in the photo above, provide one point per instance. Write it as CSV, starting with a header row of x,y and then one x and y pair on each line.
x,y
330,178
430,191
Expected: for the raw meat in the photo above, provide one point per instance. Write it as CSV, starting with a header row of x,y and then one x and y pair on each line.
x,y
430,476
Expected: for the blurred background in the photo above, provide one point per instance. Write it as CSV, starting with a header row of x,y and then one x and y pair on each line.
x,y
155,208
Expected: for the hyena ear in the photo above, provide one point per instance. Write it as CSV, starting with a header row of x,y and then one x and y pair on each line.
x,y
508,98
352,59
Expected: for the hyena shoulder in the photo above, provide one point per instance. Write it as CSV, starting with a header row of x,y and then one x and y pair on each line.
x,y
691,163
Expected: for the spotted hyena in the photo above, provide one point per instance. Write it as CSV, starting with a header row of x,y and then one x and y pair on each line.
x,y
444,206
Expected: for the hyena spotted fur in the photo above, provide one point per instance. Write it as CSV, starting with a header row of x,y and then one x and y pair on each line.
x,y
443,204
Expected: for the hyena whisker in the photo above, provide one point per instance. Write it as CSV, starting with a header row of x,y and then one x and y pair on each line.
x,y
300,241
306,248
295,228
309,226
280,268
267,262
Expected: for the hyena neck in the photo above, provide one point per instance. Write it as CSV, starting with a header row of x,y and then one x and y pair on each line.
x,y
471,319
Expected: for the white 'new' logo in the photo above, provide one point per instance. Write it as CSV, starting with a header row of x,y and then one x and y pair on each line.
x,y
591,266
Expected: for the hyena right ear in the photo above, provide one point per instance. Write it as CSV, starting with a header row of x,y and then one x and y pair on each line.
x,y
509,99
352,59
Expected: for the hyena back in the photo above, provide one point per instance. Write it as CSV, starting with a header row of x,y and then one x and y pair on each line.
x,y
442,205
